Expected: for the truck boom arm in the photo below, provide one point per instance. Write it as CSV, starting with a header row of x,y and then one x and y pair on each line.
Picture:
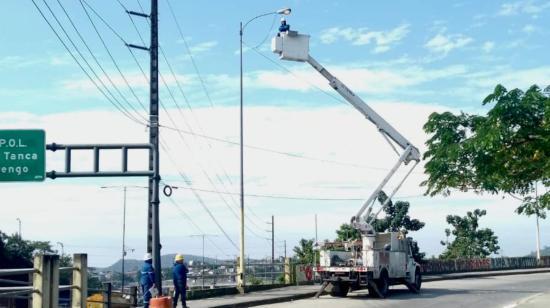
x,y
295,47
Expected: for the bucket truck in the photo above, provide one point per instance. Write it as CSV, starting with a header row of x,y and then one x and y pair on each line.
x,y
376,260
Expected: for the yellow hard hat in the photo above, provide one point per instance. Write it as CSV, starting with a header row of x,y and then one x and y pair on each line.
x,y
178,257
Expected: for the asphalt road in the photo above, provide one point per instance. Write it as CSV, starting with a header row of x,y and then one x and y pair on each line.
x,y
498,291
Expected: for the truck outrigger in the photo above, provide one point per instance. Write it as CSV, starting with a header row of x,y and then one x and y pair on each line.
x,y
376,260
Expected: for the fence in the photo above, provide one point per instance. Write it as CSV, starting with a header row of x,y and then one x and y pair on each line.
x,y
486,264
44,288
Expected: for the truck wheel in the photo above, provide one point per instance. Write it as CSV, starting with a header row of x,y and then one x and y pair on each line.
x,y
417,280
383,284
414,286
339,289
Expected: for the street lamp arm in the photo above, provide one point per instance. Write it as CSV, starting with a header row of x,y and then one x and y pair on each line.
x,y
262,15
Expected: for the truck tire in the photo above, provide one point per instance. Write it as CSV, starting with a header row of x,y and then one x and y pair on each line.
x,y
417,279
339,289
415,285
383,284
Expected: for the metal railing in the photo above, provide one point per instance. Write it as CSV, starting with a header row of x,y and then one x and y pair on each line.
x,y
43,287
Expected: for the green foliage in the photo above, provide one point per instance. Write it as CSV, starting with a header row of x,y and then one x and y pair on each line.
x,y
397,217
254,281
304,252
469,241
505,151
347,232
18,253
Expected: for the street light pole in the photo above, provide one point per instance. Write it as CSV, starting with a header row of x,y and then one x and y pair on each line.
x,y
241,270
19,221
62,248
125,188
123,239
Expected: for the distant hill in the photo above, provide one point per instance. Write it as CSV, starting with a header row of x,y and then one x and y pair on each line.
x,y
166,262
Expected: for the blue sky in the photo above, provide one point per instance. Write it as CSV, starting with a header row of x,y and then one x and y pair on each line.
x,y
405,58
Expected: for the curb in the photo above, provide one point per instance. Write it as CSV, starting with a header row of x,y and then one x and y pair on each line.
x,y
427,278
290,298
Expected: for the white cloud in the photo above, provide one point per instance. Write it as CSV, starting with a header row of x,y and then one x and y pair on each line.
x,y
203,47
512,77
383,40
523,7
529,29
359,79
443,44
488,46
338,133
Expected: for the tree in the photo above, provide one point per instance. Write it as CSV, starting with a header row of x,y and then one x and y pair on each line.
x,y
505,151
469,241
347,233
305,253
18,253
397,217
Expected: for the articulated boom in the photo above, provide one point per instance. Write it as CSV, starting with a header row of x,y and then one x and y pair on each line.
x,y
295,47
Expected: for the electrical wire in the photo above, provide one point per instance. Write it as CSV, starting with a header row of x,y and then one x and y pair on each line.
x,y
121,110
112,58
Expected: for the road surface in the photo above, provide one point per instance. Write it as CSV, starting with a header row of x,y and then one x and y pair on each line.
x,y
499,291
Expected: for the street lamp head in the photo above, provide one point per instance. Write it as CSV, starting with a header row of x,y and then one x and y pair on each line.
x,y
284,11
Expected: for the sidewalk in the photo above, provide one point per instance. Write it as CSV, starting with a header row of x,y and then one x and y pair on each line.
x,y
257,298
287,294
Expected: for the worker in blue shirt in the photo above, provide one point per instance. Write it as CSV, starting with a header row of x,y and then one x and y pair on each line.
x,y
147,279
284,26
179,275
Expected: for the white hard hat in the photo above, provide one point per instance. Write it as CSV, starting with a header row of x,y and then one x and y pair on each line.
x,y
147,256
283,19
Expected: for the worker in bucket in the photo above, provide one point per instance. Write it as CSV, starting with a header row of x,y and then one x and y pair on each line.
x,y
147,279
179,275
284,26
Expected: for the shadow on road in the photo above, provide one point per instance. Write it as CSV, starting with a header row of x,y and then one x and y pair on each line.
x,y
404,294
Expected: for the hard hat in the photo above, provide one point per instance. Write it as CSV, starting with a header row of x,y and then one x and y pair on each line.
x,y
283,19
147,256
178,257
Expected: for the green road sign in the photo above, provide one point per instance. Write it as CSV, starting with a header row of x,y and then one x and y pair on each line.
x,y
22,155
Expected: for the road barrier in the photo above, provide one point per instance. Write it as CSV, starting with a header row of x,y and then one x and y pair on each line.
x,y
44,289
482,264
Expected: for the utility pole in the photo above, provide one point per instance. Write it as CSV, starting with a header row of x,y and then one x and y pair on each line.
x,y
123,238
153,230
202,265
285,249
272,240
272,223
316,241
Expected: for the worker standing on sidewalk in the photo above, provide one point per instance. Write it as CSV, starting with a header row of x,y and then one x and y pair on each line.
x,y
147,279
179,275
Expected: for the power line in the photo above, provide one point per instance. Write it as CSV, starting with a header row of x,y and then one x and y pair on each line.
x,y
119,108
112,58
199,199
196,120
84,58
189,53
289,197
184,214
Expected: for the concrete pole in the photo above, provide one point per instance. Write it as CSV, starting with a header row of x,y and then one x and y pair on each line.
x,y
241,280
79,292
45,281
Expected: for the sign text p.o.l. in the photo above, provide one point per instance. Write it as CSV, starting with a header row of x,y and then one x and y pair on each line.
x,y
22,155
